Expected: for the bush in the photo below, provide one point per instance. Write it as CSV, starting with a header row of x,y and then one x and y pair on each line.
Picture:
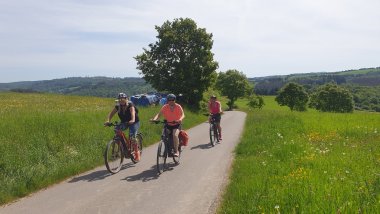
x,y
255,101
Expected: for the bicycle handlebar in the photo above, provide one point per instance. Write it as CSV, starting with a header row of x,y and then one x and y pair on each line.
x,y
116,123
163,121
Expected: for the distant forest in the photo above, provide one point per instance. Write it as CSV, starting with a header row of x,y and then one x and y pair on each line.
x,y
84,86
363,83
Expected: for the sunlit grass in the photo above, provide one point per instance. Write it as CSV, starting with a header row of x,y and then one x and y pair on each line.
x,y
309,162
45,138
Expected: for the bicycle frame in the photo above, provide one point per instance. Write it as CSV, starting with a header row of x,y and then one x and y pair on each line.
x,y
121,147
167,138
165,147
214,132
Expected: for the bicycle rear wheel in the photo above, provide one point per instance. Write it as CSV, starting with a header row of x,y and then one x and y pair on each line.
x,y
161,157
140,141
113,156
136,149
176,159
216,134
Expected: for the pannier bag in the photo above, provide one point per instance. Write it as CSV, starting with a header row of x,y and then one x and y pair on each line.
x,y
183,138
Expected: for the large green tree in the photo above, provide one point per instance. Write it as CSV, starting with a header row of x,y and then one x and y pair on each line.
x,y
233,84
294,96
332,98
181,61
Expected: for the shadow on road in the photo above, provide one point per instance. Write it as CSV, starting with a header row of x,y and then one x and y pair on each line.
x,y
97,175
147,175
202,146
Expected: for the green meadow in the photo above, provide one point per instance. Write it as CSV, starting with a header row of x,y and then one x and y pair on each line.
x,y
47,138
286,162
305,162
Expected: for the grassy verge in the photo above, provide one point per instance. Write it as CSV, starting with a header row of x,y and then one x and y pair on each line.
x,y
46,138
310,162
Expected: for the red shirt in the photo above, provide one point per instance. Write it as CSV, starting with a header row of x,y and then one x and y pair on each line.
x,y
214,107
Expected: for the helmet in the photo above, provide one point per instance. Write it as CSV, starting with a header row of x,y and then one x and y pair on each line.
x,y
171,97
121,95
213,96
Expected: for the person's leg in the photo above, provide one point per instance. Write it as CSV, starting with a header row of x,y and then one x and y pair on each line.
x,y
133,129
176,141
218,119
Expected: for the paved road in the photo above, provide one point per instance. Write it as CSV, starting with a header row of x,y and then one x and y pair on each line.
x,y
194,186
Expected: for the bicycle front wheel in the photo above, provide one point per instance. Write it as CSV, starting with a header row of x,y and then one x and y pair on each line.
x,y
212,135
216,134
161,157
113,156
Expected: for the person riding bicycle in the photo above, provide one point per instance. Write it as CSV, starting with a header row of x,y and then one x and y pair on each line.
x,y
173,113
215,109
127,113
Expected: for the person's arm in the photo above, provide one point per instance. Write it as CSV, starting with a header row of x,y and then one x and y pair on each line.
x,y
133,115
182,115
158,115
209,107
111,114
220,108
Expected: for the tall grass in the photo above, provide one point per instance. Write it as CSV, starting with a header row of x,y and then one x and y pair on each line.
x,y
46,138
309,162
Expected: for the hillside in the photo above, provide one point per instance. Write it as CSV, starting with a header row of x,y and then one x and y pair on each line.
x,y
364,84
85,86
363,77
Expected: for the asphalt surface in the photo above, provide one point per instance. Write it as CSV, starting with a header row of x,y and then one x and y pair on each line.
x,y
194,186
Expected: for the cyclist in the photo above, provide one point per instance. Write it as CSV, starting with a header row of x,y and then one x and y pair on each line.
x,y
127,113
173,113
215,109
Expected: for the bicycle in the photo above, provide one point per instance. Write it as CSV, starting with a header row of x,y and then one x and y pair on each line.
x,y
121,146
213,130
165,147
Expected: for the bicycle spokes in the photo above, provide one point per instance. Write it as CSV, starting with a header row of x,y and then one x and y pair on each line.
x,y
113,156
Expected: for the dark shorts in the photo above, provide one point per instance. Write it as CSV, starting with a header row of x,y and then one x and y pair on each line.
x,y
217,117
173,127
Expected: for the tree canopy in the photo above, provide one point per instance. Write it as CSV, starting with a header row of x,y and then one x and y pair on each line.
x,y
181,61
332,98
233,84
294,96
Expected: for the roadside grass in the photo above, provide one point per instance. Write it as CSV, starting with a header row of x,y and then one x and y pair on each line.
x,y
305,162
46,138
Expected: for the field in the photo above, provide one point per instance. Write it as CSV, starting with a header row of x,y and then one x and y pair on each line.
x,y
310,162
286,162
46,138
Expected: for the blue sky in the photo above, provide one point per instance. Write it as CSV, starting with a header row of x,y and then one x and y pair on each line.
x,y
41,39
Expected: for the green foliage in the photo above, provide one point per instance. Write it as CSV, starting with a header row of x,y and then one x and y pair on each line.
x,y
332,98
294,96
255,101
180,61
309,162
233,84
366,98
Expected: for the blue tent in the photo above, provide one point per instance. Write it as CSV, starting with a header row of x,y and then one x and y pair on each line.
x,y
163,101
144,100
